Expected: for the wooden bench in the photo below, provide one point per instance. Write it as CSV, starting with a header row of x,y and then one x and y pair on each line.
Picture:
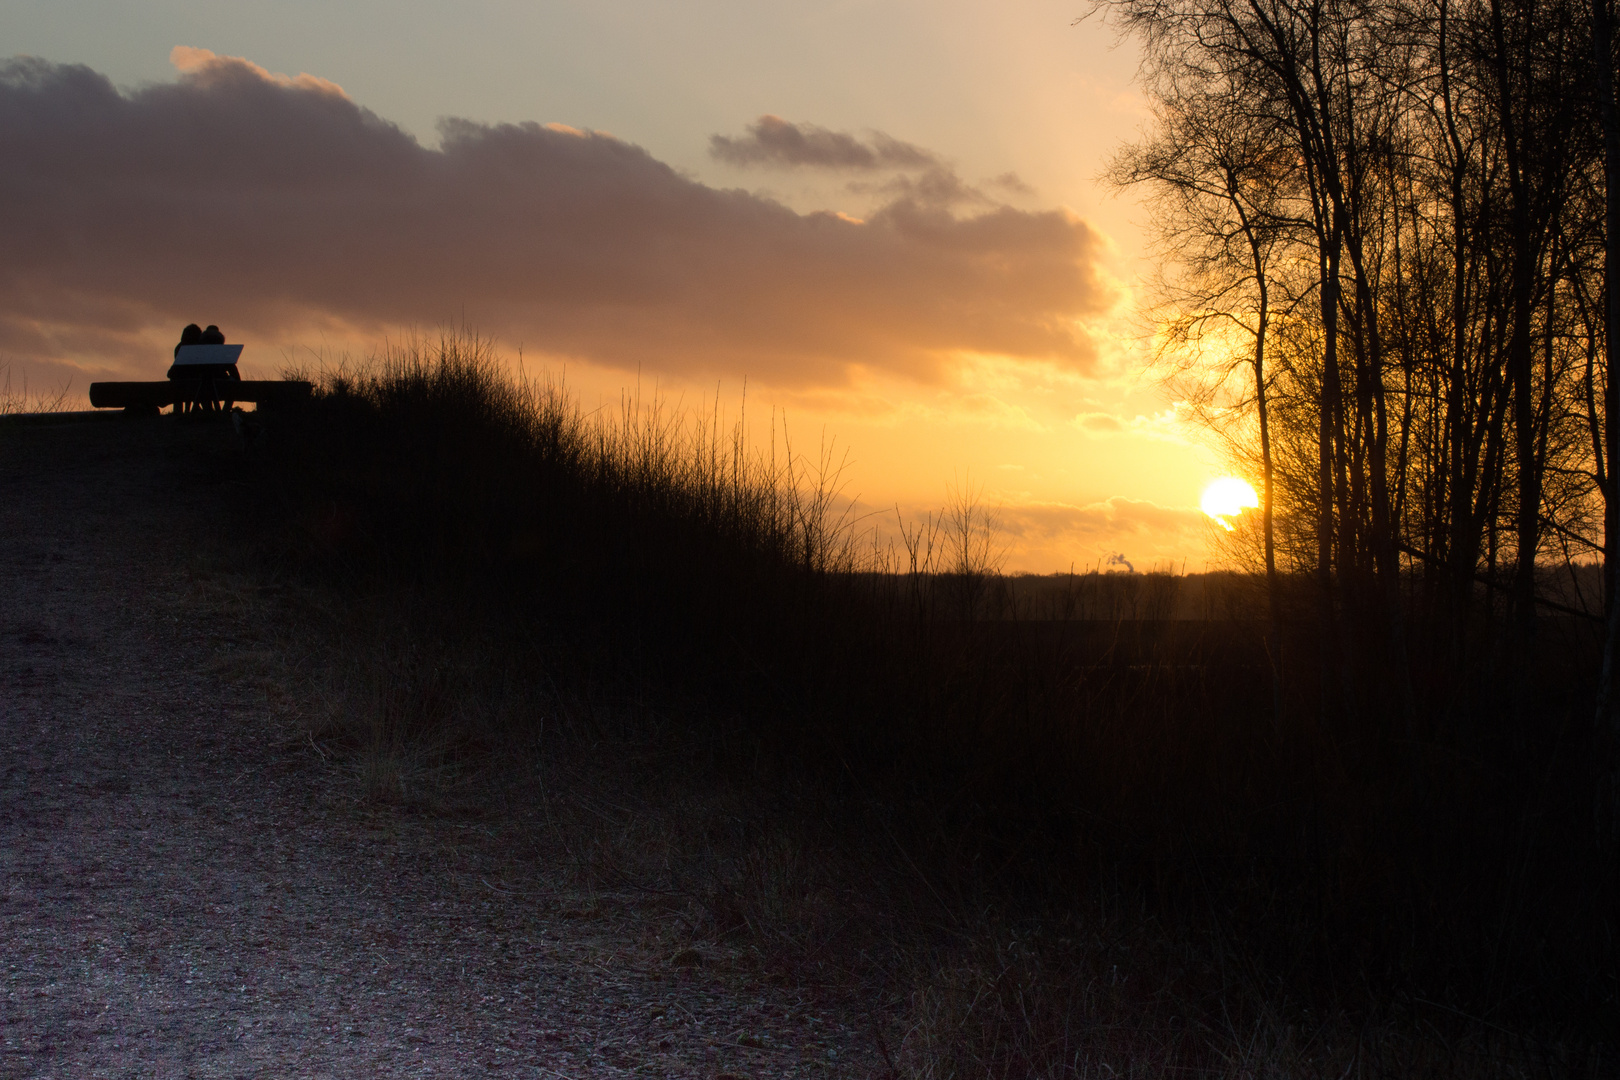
x,y
181,393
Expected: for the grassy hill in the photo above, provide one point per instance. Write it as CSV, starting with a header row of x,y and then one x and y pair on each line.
x,y
1043,825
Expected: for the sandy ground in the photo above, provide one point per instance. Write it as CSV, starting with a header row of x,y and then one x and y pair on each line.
x,y
186,889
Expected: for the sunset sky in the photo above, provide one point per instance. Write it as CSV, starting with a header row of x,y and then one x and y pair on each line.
x,y
885,216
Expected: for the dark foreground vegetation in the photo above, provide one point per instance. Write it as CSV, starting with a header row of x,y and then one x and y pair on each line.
x,y
1049,827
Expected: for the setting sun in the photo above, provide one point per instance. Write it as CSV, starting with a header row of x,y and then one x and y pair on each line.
x,y
1227,498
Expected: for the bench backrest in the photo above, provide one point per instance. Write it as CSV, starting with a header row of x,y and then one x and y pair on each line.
x,y
207,354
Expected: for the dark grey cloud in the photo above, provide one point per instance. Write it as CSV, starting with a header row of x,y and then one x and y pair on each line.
x,y
906,171
932,187
272,205
1011,183
772,140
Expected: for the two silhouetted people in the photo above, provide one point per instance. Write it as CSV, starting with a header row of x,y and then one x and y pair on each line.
x,y
192,335
211,397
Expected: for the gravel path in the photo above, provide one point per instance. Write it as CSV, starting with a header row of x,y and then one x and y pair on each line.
x,y
186,890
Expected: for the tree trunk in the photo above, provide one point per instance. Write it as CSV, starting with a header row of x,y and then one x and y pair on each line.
x,y
1325,463
1608,714
1262,324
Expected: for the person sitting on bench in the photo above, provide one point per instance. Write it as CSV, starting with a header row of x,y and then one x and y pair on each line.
x,y
191,335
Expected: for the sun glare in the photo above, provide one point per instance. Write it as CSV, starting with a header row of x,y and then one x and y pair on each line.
x,y
1227,498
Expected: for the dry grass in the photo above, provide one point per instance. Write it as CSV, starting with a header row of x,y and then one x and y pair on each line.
x,y
18,400
1039,827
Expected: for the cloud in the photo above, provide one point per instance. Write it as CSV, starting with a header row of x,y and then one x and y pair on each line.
x,y
938,187
1113,520
1167,426
990,409
188,60
772,140
277,206
1101,423
916,175
1013,183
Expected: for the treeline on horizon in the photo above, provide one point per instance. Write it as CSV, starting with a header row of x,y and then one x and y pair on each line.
x,y
1563,590
1041,752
